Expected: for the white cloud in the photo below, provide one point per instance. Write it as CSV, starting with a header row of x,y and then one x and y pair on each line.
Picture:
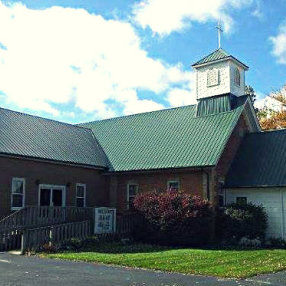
x,y
258,11
185,95
166,16
279,44
68,56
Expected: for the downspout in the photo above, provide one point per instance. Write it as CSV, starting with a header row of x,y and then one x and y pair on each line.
x,y
208,184
282,215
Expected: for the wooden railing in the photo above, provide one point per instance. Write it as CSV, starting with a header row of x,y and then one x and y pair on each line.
x,y
10,239
34,239
126,223
30,217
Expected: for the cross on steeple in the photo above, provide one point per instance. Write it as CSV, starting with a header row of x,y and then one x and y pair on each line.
x,y
219,31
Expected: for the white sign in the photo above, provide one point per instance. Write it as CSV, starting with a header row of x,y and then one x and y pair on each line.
x,y
105,220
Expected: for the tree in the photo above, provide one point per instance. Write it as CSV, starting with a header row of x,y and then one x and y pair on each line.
x,y
250,92
274,118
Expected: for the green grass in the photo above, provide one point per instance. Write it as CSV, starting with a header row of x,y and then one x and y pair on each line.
x,y
221,263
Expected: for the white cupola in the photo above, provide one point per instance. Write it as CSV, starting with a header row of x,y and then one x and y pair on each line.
x,y
219,74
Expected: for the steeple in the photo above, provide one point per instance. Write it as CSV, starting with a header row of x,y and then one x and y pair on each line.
x,y
219,73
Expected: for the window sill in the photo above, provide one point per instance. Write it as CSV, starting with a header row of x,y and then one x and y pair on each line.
x,y
16,209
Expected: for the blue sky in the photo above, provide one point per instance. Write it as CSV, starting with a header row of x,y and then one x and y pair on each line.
x,y
78,61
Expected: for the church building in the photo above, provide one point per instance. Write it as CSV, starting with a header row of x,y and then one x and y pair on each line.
x,y
215,149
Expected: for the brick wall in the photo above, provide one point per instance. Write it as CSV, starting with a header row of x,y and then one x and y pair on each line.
x,y
226,159
190,182
52,174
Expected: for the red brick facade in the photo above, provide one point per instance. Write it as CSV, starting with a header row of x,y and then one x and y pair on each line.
x,y
190,182
111,189
36,173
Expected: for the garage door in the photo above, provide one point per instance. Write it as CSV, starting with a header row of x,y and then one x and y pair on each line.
x,y
274,202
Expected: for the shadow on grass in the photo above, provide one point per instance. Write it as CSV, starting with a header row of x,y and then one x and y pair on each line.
x,y
132,247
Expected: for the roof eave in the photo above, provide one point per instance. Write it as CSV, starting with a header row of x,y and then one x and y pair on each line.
x,y
194,168
253,186
221,60
51,161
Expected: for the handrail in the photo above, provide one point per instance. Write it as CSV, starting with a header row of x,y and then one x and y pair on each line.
x,y
35,216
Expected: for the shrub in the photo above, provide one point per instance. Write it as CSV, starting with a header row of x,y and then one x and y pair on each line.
x,y
173,218
239,221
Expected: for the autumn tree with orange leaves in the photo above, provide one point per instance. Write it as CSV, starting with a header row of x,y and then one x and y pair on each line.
x,y
274,119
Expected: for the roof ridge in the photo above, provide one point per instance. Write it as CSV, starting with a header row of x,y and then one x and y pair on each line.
x,y
44,118
138,114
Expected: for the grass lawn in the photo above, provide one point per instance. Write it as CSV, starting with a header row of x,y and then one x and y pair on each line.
x,y
221,263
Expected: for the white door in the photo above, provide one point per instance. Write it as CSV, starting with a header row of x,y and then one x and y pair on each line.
x,y
274,202
52,196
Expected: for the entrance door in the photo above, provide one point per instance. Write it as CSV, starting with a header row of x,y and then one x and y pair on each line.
x,y
45,197
57,195
52,196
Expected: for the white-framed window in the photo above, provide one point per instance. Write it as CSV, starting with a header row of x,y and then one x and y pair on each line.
x,y
173,185
132,190
237,76
212,77
80,195
18,193
241,200
52,195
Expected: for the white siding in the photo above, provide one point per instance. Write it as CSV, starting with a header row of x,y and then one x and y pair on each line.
x,y
226,80
234,88
274,202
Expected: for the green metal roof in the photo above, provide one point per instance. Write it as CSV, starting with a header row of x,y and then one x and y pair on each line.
x,y
218,54
260,161
171,138
215,104
35,137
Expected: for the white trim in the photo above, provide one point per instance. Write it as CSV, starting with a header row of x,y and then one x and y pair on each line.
x,y
23,180
253,114
229,58
127,193
52,187
282,215
84,194
173,181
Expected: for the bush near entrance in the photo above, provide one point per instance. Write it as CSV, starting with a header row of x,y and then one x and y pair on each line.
x,y
173,218
238,221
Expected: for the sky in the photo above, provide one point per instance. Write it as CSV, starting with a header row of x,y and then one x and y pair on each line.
x,y
78,61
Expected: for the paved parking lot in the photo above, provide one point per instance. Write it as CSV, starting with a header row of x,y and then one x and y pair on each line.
x,y
21,270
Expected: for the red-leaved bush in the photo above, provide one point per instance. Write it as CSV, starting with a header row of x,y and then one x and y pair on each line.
x,y
173,218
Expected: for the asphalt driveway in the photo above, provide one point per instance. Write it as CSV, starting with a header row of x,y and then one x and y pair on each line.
x,y
21,270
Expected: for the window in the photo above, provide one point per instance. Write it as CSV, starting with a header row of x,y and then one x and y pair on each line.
x,y
221,198
132,190
212,77
241,200
237,76
52,195
80,195
173,186
18,193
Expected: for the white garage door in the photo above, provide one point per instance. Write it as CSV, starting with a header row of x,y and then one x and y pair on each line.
x,y
274,202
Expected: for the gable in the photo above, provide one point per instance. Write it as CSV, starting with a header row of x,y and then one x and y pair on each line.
x,y
171,138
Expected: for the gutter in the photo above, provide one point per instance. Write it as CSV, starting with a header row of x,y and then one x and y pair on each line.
x,y
140,171
51,161
282,216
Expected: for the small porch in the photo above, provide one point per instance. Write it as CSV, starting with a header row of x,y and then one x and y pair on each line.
x,y
31,224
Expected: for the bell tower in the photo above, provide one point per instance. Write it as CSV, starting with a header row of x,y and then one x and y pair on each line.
x,y
219,73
